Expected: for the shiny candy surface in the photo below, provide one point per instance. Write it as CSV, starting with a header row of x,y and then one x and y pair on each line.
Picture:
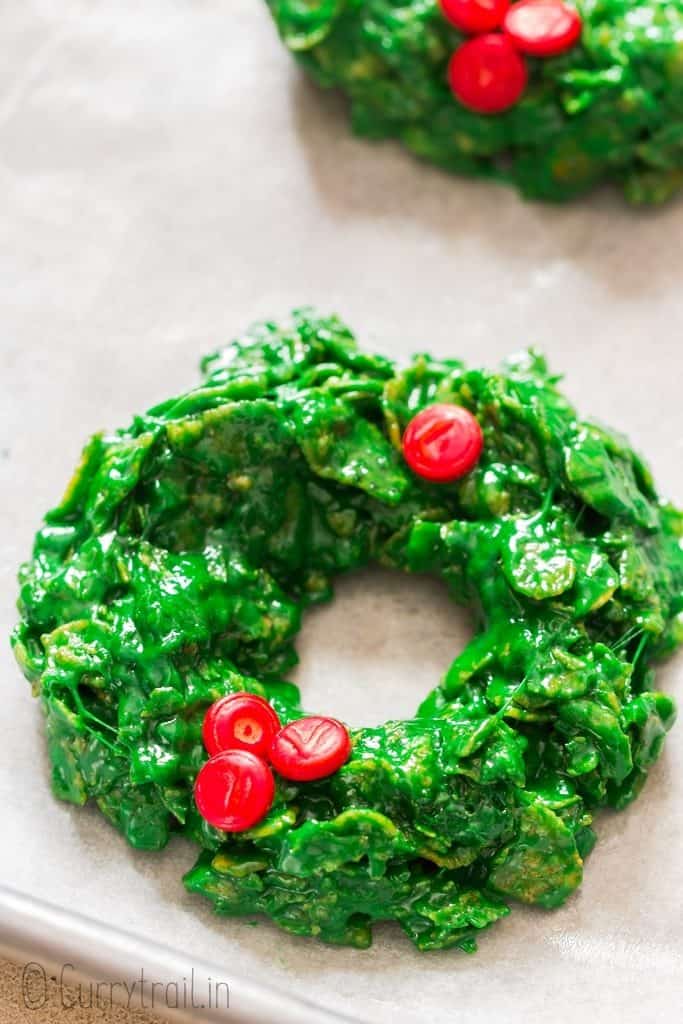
x,y
543,28
234,790
310,748
443,443
240,720
487,74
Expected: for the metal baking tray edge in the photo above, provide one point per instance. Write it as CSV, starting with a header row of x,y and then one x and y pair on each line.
x,y
51,936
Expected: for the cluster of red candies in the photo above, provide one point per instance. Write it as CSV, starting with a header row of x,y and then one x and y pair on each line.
x,y
246,740
488,73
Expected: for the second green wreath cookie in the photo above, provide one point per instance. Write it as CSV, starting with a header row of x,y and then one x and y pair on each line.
x,y
551,96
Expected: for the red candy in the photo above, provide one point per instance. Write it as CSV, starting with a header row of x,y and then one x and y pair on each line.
x,y
234,790
487,74
473,16
310,748
240,721
443,443
542,28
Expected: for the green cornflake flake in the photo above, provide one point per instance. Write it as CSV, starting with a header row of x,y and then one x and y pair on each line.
x,y
542,864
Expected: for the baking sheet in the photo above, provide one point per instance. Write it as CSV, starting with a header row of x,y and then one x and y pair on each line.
x,y
166,176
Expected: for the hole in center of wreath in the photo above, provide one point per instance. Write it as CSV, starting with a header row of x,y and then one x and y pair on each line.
x,y
379,647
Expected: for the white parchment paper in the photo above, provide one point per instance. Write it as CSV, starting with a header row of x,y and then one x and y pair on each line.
x,y
166,176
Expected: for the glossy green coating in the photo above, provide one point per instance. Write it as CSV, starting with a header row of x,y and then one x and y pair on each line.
x,y
609,109
176,570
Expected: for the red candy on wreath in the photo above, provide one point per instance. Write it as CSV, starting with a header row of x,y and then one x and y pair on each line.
x,y
443,442
310,748
487,74
542,28
242,721
234,790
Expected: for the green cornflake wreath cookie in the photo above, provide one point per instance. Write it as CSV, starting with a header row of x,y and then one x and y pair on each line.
x,y
176,569
549,96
